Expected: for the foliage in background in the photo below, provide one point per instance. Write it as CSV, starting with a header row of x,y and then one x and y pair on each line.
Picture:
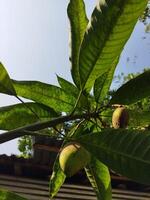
x,y
145,18
146,13
142,105
25,146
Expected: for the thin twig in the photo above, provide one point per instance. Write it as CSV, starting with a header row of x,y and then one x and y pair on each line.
x,y
59,132
77,126
27,107
77,101
15,95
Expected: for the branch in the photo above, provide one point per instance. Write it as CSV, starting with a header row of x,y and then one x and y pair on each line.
x,y
29,129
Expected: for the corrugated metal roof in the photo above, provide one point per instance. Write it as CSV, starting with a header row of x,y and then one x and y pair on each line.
x,y
38,190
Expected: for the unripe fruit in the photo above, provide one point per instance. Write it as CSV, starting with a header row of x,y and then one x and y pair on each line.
x,y
120,118
73,158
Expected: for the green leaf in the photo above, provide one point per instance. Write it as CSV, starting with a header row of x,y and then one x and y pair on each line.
x,y
139,118
103,82
127,152
6,195
134,90
46,94
98,88
72,90
57,179
78,23
18,115
99,177
109,29
68,87
6,85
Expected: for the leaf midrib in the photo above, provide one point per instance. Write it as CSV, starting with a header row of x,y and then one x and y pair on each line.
x,y
96,59
118,153
93,176
48,96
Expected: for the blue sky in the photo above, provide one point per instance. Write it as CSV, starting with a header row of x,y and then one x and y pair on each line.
x,y
34,44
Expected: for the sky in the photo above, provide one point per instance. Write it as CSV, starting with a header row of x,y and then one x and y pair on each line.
x,y
34,38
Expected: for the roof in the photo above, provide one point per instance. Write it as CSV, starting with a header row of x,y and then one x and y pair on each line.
x,y
28,168
34,189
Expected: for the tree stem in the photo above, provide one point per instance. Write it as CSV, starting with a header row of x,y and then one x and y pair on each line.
x,y
19,132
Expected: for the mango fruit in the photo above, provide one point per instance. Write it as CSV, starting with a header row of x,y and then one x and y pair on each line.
x,y
73,158
120,118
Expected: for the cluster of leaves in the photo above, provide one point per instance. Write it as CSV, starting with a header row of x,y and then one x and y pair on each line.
x,y
144,18
142,106
82,108
25,143
146,13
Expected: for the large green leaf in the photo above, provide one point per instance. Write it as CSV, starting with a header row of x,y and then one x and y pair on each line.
x,y
103,82
6,85
99,93
125,151
78,23
134,90
19,115
99,177
68,87
57,179
6,195
46,94
109,29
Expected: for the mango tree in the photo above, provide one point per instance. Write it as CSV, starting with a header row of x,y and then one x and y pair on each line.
x,y
80,112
